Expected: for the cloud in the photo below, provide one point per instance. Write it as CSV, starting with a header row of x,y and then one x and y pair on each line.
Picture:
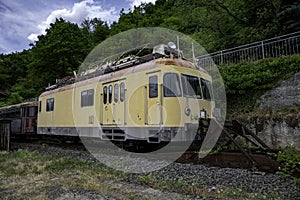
x,y
15,21
138,2
80,11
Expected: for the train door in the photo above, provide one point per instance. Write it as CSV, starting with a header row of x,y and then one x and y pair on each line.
x,y
113,104
154,115
29,119
118,104
107,111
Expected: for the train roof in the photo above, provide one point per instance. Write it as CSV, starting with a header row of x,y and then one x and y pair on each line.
x,y
105,78
162,55
24,104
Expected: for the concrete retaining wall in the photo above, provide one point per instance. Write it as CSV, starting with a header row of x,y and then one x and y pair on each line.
x,y
286,94
284,130
278,133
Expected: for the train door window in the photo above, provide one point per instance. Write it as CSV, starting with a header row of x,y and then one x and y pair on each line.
x,y
206,89
105,95
153,87
171,85
116,93
31,111
122,92
191,86
50,105
40,106
87,98
110,94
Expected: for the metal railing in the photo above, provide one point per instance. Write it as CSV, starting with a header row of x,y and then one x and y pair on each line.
x,y
284,45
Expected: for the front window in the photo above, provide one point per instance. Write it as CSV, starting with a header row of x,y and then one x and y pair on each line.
x,y
191,86
171,85
153,87
206,89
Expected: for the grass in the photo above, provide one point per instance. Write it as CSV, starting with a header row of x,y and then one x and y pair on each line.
x,y
28,175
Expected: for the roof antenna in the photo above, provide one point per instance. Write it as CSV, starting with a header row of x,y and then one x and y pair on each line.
x,y
75,75
178,49
193,51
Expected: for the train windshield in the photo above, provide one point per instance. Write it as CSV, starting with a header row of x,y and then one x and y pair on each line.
x,y
191,86
206,89
171,85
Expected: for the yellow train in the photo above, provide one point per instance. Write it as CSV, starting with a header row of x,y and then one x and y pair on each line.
x,y
153,98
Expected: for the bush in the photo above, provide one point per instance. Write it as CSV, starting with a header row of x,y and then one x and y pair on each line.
x,y
263,74
246,82
289,160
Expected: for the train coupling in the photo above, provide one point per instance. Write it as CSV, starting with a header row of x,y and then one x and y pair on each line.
x,y
203,125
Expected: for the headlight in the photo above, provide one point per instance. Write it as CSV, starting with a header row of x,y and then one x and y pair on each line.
x,y
202,113
187,111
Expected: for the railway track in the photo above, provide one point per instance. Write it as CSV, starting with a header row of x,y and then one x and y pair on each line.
x,y
226,159
258,158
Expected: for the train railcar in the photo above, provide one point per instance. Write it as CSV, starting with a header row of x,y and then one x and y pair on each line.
x,y
160,99
22,117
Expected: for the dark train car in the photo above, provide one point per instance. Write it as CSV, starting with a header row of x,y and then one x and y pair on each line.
x,y
23,117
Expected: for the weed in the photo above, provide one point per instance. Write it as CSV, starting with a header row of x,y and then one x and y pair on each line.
x,y
289,160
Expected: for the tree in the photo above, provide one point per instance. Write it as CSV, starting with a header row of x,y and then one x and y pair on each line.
x,y
96,29
57,53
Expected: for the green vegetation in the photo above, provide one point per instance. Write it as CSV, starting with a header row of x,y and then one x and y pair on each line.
x,y
289,160
215,24
28,174
245,82
20,163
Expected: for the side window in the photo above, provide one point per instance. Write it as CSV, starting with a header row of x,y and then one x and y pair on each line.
x,y
105,95
110,94
116,93
206,89
153,87
87,98
122,92
50,105
171,85
40,106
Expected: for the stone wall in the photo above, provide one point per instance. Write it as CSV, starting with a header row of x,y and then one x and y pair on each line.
x,y
286,94
278,133
284,130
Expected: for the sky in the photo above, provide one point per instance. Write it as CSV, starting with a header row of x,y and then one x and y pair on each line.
x,y
21,21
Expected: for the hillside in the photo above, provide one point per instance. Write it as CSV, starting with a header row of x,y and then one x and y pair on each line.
x,y
215,24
